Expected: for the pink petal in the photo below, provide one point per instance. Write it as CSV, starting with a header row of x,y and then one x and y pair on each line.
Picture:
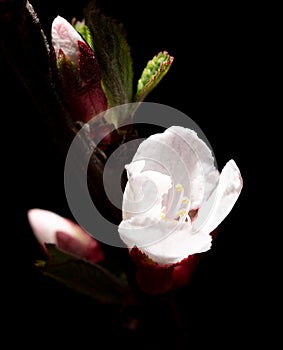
x,y
65,37
45,224
69,237
80,245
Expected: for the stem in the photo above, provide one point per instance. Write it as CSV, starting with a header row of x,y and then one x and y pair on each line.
x,y
182,335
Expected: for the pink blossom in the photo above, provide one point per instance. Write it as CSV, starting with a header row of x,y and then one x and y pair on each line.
x,y
77,72
69,237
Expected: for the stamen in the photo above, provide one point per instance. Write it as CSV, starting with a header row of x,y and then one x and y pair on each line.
x,y
179,187
185,200
182,212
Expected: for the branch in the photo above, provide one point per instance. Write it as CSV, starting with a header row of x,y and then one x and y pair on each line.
x,y
25,48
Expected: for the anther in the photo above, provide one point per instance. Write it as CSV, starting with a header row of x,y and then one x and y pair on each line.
x,y
179,187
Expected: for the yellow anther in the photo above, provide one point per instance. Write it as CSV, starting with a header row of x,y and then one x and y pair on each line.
x,y
185,200
163,216
182,212
179,187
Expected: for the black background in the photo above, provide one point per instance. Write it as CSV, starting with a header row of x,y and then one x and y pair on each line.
x,y
211,80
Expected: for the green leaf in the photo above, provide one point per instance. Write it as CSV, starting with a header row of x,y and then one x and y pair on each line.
x,y
113,54
154,71
84,277
83,29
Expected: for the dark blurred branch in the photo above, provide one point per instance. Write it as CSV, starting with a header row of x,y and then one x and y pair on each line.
x,y
24,47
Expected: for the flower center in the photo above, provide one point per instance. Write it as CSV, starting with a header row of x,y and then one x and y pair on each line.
x,y
182,206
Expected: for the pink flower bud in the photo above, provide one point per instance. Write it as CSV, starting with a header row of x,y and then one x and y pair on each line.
x,y
77,72
69,237
65,38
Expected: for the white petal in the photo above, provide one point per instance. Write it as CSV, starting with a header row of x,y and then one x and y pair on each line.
x,y
144,193
181,154
142,231
65,37
165,242
214,211
178,246
45,223
135,168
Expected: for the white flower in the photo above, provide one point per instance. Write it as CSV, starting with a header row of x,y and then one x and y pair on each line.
x,y
175,196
